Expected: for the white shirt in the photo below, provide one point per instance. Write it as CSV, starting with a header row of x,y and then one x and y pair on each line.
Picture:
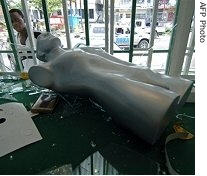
x,y
24,52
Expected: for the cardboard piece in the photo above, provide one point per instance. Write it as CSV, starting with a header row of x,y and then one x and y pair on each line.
x,y
17,129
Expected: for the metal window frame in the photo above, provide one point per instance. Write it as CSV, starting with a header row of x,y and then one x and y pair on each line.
x,y
131,49
190,51
5,10
86,22
180,39
133,14
106,26
172,37
152,33
29,29
46,17
112,26
67,26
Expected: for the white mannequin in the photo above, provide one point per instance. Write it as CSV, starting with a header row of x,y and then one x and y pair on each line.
x,y
138,99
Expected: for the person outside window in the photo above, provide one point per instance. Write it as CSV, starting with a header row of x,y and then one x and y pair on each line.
x,y
22,39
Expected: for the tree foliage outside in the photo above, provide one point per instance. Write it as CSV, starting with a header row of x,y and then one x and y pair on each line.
x,y
52,5
14,4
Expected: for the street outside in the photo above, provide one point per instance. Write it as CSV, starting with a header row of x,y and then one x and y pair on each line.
x,y
158,59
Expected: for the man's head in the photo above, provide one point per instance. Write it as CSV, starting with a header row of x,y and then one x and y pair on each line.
x,y
17,19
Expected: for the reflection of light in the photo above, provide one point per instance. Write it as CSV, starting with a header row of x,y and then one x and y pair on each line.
x,y
95,171
95,164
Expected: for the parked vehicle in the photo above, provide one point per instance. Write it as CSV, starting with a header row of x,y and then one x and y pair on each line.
x,y
142,25
57,22
121,36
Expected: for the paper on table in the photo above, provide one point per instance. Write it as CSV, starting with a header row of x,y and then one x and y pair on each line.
x,y
17,129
